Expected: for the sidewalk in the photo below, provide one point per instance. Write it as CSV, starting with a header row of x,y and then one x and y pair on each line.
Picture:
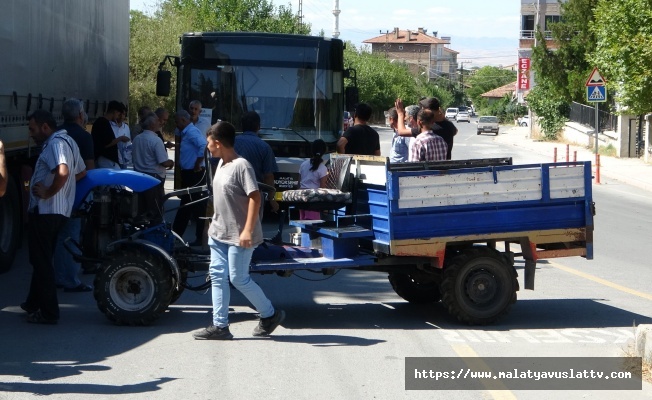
x,y
631,171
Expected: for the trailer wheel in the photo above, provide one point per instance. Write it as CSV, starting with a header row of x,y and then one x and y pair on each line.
x,y
479,286
133,288
10,227
414,290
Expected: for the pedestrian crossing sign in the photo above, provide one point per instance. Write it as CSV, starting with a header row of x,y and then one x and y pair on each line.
x,y
596,94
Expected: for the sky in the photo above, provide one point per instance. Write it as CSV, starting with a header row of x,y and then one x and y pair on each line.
x,y
484,32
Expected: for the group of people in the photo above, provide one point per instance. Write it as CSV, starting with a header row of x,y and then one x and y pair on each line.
x,y
242,161
68,151
421,133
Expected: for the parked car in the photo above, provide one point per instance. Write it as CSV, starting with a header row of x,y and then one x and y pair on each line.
x,y
488,123
462,116
524,121
451,112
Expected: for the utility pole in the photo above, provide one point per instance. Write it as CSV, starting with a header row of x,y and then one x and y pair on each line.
x,y
300,13
462,76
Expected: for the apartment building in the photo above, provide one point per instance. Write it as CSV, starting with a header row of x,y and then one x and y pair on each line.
x,y
535,14
425,54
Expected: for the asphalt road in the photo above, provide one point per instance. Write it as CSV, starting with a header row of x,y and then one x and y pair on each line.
x,y
345,337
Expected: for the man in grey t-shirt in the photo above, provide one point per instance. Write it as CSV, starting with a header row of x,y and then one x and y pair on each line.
x,y
233,234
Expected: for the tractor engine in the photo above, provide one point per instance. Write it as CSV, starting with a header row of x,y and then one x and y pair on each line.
x,y
114,213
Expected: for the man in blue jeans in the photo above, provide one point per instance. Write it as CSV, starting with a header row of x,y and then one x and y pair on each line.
x,y
233,234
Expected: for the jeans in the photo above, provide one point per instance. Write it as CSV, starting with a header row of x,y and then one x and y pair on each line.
x,y
42,238
65,268
229,261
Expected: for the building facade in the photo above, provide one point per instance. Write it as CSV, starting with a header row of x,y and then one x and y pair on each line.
x,y
426,55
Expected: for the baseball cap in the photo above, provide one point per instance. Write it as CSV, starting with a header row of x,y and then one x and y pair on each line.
x,y
431,103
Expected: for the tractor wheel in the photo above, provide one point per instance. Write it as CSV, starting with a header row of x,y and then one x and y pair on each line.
x,y
414,290
479,286
133,288
176,293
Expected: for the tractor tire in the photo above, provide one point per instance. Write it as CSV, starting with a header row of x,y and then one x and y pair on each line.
x,y
479,286
10,225
414,291
176,293
133,288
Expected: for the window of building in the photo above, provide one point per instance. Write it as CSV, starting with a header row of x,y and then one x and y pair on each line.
x,y
550,19
527,22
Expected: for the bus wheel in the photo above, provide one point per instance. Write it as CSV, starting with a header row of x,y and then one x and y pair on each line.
x,y
479,286
413,289
133,288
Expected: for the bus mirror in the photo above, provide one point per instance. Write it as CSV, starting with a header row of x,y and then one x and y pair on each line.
x,y
351,97
163,82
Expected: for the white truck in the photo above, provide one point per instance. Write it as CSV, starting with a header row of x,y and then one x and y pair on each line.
x,y
53,50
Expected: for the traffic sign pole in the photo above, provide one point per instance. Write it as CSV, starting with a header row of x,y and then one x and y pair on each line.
x,y
597,127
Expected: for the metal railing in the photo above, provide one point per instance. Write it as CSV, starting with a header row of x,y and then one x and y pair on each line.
x,y
585,115
529,34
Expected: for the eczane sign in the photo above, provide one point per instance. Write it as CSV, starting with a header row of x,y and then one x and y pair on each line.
x,y
523,73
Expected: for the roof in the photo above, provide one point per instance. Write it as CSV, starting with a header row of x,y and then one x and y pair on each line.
x,y
415,37
501,91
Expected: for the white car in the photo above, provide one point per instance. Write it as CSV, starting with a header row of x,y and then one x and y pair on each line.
x,y
524,121
488,123
451,112
462,116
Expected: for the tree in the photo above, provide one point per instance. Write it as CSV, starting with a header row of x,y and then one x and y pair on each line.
x,y
237,15
485,79
623,29
381,81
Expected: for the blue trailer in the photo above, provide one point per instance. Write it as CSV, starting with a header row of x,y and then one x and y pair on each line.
x,y
441,230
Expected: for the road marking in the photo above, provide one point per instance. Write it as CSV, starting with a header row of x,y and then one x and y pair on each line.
x,y
600,280
502,393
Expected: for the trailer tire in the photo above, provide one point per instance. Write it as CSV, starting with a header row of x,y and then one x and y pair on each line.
x,y
410,289
10,225
133,288
479,286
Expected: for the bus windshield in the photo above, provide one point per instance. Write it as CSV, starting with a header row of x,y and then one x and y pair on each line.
x,y
296,89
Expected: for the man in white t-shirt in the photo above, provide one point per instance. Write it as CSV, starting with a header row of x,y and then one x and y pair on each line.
x,y
120,128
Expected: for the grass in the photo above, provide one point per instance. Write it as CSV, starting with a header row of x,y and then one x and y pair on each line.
x,y
608,150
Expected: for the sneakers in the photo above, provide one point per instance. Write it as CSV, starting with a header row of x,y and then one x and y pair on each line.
x,y
267,325
213,333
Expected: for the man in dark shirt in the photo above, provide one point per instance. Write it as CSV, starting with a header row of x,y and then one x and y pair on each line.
x,y
104,140
74,120
360,138
442,127
65,267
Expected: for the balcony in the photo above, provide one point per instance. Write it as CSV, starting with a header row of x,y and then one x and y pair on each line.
x,y
529,34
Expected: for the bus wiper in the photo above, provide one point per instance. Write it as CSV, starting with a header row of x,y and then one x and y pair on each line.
x,y
285,130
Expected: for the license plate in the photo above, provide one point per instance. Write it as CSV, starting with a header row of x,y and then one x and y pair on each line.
x,y
487,129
